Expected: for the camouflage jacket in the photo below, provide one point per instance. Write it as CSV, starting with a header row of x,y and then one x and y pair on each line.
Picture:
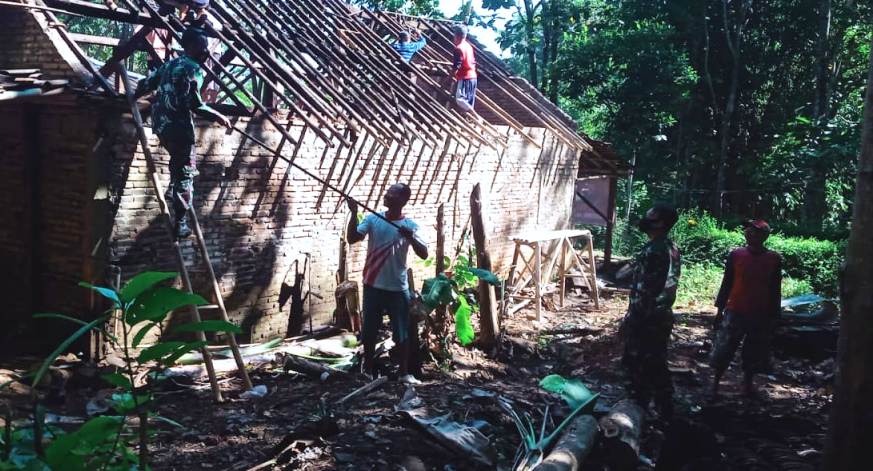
x,y
178,84
656,276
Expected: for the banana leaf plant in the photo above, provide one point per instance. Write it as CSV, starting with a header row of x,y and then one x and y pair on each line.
x,y
455,293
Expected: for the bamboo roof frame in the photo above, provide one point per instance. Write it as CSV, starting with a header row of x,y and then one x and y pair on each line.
x,y
330,65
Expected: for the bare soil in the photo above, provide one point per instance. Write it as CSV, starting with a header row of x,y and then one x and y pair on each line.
x,y
298,425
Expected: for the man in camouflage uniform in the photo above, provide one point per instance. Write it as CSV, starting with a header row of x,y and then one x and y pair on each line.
x,y
649,320
178,83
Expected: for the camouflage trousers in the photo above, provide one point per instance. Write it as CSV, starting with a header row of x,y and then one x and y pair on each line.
x,y
183,169
645,361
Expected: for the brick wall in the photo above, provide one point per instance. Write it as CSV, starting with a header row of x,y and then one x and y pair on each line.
x,y
48,176
76,190
27,42
258,217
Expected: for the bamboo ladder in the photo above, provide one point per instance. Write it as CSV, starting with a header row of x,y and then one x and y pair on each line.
x,y
180,259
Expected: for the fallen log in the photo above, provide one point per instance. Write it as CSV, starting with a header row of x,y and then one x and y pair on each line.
x,y
364,389
622,428
309,368
573,447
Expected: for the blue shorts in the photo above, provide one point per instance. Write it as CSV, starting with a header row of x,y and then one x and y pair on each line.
x,y
467,90
378,302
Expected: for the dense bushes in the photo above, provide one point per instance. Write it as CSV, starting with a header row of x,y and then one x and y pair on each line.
x,y
705,242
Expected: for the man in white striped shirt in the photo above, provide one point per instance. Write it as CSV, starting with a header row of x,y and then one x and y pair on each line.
x,y
385,286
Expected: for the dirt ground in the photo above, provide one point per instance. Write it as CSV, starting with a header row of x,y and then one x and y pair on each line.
x,y
299,425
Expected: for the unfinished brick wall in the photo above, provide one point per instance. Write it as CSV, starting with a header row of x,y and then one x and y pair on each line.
x,y
259,218
47,202
28,42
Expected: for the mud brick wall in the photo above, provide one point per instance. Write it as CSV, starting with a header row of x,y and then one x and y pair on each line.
x,y
47,202
259,217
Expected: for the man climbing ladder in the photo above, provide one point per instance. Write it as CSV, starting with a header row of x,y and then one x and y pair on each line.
x,y
178,83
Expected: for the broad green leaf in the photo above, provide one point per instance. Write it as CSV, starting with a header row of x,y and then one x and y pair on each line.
x,y
141,333
52,315
437,291
463,326
571,390
40,373
153,305
172,359
160,350
143,282
105,292
117,379
486,276
208,326
125,402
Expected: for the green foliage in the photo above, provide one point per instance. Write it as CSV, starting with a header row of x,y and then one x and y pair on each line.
x,y
571,390
699,285
453,293
105,442
463,326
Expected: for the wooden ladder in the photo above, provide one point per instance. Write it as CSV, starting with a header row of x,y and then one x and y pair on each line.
x,y
180,259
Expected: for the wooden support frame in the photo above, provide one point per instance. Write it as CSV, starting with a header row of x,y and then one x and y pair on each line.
x,y
540,266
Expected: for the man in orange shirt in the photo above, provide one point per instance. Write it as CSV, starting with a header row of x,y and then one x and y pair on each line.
x,y
749,304
464,70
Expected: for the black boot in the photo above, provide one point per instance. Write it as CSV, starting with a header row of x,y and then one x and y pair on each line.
x,y
182,229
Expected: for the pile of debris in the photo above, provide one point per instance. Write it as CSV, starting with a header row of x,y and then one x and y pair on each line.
x,y
18,83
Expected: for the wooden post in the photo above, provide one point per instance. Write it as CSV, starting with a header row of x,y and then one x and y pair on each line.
x,y
610,223
487,304
538,279
342,272
592,273
562,272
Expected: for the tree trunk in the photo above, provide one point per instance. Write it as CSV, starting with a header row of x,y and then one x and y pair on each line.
x,y
622,428
529,40
735,45
573,447
814,200
851,424
487,303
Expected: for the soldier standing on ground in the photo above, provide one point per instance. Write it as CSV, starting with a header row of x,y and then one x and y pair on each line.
x,y
648,323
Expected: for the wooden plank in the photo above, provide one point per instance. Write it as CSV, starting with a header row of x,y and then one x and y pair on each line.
x,y
488,326
92,39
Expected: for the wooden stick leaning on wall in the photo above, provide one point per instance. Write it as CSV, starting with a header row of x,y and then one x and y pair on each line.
x,y
488,326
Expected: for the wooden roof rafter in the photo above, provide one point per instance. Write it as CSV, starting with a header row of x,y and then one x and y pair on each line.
x,y
316,59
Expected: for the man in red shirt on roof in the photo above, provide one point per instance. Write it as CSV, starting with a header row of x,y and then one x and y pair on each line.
x,y
749,303
464,70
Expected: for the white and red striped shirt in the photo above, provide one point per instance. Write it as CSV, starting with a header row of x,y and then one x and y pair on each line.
x,y
385,267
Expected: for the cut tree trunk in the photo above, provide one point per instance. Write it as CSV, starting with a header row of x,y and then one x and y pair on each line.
x,y
310,368
621,429
850,437
574,446
487,301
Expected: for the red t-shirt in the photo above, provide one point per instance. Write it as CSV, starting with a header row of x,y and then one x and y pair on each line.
x,y
752,283
465,61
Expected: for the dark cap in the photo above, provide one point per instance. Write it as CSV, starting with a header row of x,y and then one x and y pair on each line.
x,y
194,38
199,3
661,215
758,224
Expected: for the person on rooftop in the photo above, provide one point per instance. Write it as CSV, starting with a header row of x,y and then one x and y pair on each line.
x,y
464,70
177,83
408,48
